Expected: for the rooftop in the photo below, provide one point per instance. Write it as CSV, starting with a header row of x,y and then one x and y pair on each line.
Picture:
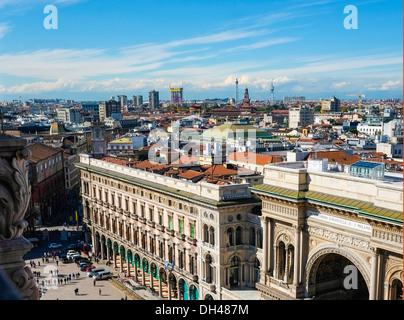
x,y
41,151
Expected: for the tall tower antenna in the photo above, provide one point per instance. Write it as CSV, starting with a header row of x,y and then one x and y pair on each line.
x,y
235,102
271,99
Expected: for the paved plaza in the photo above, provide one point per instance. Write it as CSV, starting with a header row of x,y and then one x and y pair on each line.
x,y
51,272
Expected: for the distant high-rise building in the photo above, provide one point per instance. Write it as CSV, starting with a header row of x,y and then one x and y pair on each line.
x,y
68,115
137,100
154,100
123,100
176,96
108,108
331,105
300,117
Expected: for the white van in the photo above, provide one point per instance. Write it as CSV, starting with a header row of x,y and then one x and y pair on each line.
x,y
93,272
102,275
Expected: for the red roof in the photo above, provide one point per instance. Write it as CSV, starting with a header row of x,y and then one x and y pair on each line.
x,y
335,156
41,152
219,170
190,174
249,157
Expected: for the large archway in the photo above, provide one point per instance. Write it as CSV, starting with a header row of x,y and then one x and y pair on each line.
x,y
334,276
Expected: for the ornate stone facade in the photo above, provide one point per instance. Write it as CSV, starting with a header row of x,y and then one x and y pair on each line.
x,y
14,199
198,241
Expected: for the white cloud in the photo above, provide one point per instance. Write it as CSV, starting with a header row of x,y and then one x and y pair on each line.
x,y
386,86
4,29
341,84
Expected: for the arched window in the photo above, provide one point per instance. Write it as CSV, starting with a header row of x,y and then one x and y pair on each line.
x,y
252,236
205,233
234,271
209,269
212,236
181,259
230,236
170,254
192,265
397,290
239,235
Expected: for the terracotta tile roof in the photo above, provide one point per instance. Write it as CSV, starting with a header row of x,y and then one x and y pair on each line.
x,y
335,156
255,158
219,170
114,160
184,159
41,151
190,174
144,164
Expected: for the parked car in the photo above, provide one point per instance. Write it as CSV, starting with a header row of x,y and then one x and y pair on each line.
x,y
89,268
54,246
74,247
84,264
73,254
102,275
84,267
94,271
66,260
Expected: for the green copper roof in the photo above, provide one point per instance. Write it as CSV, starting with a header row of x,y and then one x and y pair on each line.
x,y
362,207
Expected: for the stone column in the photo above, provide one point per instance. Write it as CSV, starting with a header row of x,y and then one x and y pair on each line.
x,y
17,280
121,261
128,263
296,263
373,274
285,276
160,286
169,287
265,244
276,258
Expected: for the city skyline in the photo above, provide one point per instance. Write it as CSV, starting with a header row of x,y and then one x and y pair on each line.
x,y
102,49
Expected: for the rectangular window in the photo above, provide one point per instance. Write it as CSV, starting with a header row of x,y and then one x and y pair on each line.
x,y
192,230
142,211
180,225
151,214
170,222
160,218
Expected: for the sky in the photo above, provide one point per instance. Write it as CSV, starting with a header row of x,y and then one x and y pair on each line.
x,y
104,48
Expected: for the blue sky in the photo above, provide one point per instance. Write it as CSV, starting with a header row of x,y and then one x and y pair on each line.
x,y
105,48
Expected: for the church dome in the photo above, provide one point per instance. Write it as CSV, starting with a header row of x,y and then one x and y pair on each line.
x,y
56,128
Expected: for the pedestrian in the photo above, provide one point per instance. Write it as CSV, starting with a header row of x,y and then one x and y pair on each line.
x,y
94,283
99,291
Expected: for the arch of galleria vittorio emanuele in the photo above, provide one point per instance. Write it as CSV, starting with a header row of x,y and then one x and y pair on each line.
x,y
328,235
